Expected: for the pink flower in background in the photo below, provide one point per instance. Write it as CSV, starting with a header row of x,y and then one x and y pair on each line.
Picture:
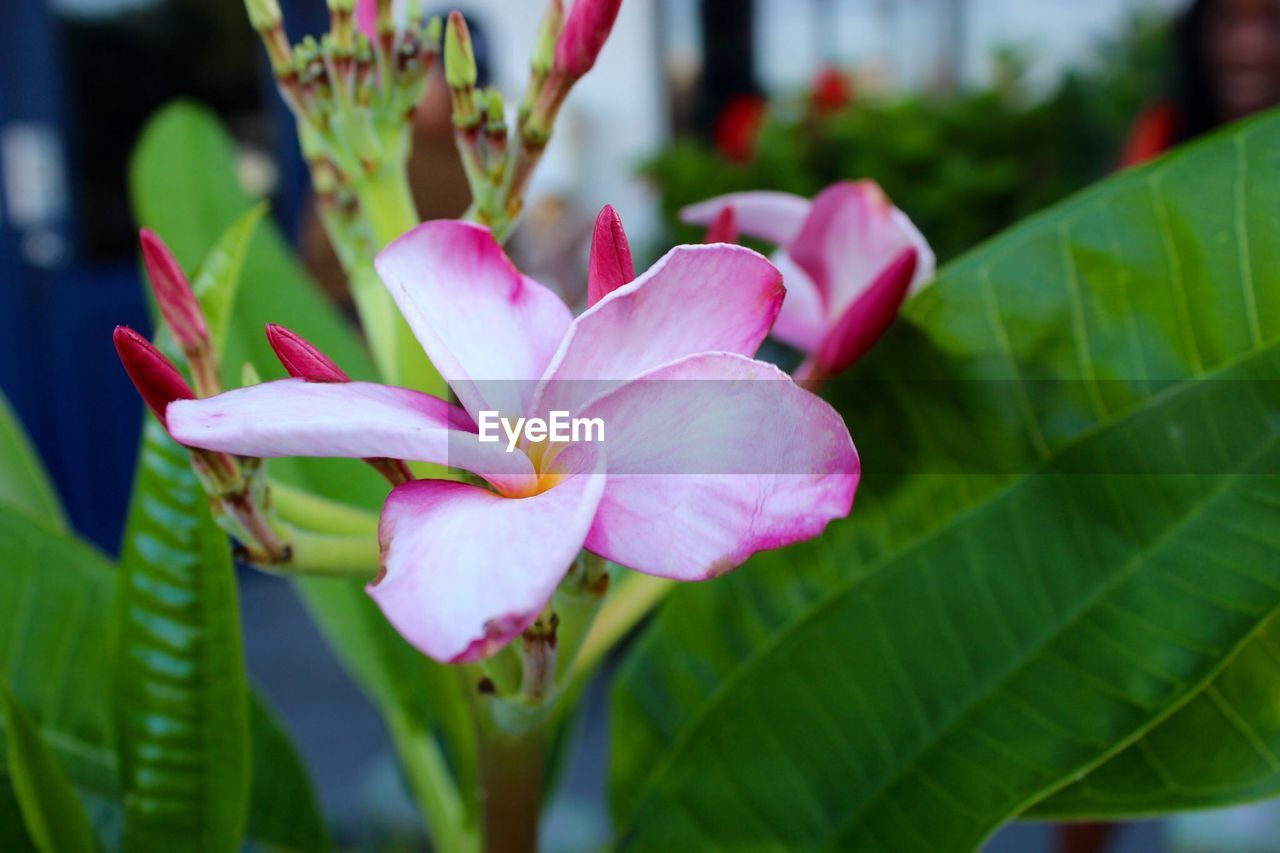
x,y
849,259
709,457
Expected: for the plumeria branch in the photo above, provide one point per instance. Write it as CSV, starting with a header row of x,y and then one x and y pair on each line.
x,y
500,159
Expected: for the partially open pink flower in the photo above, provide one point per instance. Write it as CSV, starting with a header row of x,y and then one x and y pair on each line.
x,y
849,259
708,457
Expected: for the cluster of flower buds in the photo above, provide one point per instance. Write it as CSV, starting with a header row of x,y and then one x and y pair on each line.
x,y
236,485
352,90
499,166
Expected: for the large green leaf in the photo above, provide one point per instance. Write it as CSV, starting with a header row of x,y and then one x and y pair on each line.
x,y
1061,537
180,693
24,485
54,815
55,597
189,207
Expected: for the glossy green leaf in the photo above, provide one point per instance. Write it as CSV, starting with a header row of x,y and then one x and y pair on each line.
x,y
180,694
55,603
1064,533
217,283
24,485
421,700
54,816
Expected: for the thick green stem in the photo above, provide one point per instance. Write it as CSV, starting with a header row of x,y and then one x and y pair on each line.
x,y
388,205
300,507
335,556
512,771
432,786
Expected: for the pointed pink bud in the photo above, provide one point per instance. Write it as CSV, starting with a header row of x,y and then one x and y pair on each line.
x,y
724,228
155,377
610,266
584,35
177,302
301,358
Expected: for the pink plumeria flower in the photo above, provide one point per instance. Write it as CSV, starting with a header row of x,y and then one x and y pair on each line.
x,y
849,259
671,492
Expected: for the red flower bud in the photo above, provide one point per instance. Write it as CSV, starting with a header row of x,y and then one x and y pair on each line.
x,y
724,228
584,35
301,358
303,361
155,377
610,266
177,301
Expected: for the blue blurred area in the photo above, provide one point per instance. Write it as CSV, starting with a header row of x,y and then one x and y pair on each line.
x,y
57,364
61,291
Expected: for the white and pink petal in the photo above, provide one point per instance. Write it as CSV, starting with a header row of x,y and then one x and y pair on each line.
x,y
466,571
713,458
852,234
488,329
695,299
293,417
775,217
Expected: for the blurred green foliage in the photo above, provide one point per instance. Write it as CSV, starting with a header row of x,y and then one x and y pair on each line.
x,y
963,168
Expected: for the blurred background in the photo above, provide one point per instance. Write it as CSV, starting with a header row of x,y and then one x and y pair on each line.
x,y
970,113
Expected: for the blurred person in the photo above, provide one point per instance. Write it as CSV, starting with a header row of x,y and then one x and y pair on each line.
x,y
1227,55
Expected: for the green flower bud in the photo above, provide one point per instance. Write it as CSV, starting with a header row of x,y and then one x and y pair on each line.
x,y
263,14
544,49
459,58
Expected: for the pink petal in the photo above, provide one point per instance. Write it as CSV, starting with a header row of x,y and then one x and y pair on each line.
x,y
487,328
695,299
869,317
766,215
702,474
467,571
293,417
802,322
610,264
851,235
367,18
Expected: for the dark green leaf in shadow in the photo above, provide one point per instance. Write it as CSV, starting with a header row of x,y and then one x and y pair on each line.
x,y
24,485
54,816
